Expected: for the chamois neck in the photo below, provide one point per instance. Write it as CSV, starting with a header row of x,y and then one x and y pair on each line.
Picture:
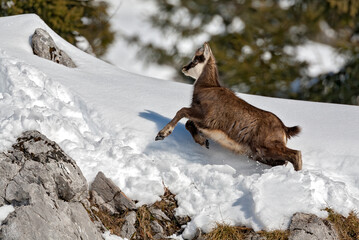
x,y
209,76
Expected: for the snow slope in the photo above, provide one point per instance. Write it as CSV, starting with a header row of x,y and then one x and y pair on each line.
x,y
106,119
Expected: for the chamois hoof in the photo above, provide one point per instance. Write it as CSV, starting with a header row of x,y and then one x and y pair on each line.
x,y
207,144
159,137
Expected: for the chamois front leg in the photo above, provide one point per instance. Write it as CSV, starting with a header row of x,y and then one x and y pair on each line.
x,y
189,113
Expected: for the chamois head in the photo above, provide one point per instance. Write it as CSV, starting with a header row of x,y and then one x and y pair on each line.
x,y
195,68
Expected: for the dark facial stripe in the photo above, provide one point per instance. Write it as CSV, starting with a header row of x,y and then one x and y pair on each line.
x,y
194,62
200,58
189,66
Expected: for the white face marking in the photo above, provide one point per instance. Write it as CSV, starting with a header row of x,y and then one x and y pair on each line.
x,y
196,71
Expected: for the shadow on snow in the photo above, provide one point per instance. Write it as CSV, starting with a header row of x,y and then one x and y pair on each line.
x,y
180,143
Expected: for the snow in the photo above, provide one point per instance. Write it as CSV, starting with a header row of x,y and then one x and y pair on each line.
x,y
128,18
108,236
106,119
321,58
5,211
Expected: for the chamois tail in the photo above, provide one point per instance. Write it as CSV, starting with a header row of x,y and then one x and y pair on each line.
x,y
292,131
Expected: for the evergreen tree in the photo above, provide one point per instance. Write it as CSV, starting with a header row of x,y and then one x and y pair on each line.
x,y
341,87
253,40
69,18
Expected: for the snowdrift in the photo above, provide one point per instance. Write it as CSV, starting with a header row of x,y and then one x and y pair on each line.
x,y
106,119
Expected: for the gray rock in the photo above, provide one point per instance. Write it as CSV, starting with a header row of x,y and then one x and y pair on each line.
x,y
96,198
157,229
199,235
128,228
158,214
16,195
123,203
310,227
109,208
160,236
51,167
44,46
106,190
255,236
47,189
182,220
104,187
8,171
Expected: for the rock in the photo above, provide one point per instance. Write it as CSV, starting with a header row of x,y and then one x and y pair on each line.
x,y
16,195
157,220
44,46
50,166
108,196
95,209
123,203
199,235
255,236
47,189
157,230
128,228
105,188
310,227
182,220
158,214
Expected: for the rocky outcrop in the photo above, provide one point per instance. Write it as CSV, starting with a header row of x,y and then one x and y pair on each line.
x,y
52,200
310,227
109,197
47,189
119,213
44,46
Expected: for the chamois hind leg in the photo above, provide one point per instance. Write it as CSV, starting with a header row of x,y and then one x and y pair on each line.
x,y
280,154
189,113
196,134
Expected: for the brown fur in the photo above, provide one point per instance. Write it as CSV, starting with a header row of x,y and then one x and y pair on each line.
x,y
217,113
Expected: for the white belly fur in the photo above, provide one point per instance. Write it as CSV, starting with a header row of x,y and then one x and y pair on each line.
x,y
223,139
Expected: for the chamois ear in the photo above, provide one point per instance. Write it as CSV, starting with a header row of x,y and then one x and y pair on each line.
x,y
207,50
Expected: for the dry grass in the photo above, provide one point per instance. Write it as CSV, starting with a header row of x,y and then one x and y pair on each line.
x,y
168,205
144,219
224,232
112,222
346,227
275,235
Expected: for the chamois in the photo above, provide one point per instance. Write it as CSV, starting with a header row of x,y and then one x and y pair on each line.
x,y
217,113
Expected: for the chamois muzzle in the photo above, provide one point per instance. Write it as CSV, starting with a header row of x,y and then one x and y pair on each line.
x,y
187,67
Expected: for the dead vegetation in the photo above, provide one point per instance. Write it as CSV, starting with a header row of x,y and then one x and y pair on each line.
x,y
147,220
346,227
224,231
143,224
112,222
156,221
275,235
